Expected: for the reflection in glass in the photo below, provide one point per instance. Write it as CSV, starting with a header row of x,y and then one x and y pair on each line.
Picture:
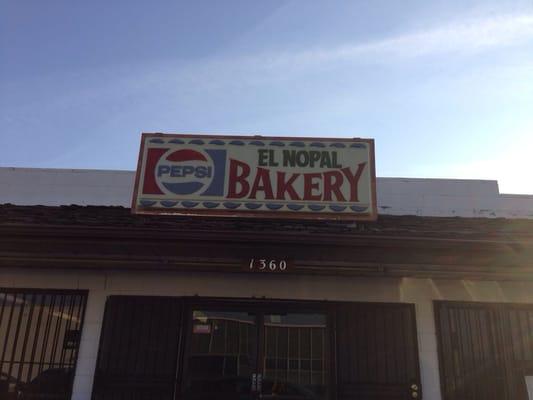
x,y
222,355
294,363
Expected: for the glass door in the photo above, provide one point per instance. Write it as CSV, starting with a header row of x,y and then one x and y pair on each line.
x,y
222,355
294,356
256,354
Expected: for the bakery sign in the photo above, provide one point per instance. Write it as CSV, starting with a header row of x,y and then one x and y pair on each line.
x,y
256,176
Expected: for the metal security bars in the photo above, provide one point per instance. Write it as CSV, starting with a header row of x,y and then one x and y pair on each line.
x,y
40,333
138,349
377,352
485,350
201,349
295,349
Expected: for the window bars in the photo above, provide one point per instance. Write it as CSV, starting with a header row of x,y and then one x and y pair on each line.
x,y
40,334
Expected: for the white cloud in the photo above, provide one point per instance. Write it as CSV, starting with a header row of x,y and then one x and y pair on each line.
x,y
462,36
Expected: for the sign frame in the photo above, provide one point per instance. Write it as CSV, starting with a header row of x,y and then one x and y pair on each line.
x,y
292,215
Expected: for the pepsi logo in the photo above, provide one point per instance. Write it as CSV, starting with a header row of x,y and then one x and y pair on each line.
x,y
184,172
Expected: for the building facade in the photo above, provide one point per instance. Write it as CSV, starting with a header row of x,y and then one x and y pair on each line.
x,y
434,300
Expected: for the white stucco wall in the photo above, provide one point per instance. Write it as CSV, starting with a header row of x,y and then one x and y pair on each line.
x,y
421,292
396,196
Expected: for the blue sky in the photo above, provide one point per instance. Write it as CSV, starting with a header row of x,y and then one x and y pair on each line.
x,y
444,87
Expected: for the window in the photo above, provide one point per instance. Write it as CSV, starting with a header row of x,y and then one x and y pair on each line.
x,y
39,340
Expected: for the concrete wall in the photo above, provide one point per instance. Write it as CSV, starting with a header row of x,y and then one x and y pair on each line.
x,y
421,292
396,196
55,187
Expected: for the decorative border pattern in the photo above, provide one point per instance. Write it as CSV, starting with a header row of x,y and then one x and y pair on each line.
x,y
220,142
252,206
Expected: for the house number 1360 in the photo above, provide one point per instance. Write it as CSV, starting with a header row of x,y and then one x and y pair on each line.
x,y
263,264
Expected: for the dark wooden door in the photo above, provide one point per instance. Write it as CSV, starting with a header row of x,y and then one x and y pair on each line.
x,y
139,344
377,352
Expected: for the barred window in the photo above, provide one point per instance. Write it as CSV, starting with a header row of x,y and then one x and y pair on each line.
x,y
40,333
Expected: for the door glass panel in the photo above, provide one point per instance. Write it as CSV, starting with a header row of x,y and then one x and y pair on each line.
x,y
222,355
294,361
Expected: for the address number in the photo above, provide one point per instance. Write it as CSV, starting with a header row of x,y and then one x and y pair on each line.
x,y
267,265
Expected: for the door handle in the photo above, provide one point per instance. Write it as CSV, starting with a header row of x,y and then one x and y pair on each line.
x,y
259,383
414,391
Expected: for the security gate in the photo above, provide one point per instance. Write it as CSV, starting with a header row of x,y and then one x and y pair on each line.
x,y
485,350
200,349
138,349
40,334
377,352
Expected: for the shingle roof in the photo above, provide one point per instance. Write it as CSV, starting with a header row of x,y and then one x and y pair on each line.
x,y
387,225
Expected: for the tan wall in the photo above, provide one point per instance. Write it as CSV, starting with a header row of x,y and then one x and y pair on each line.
x,y
421,292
